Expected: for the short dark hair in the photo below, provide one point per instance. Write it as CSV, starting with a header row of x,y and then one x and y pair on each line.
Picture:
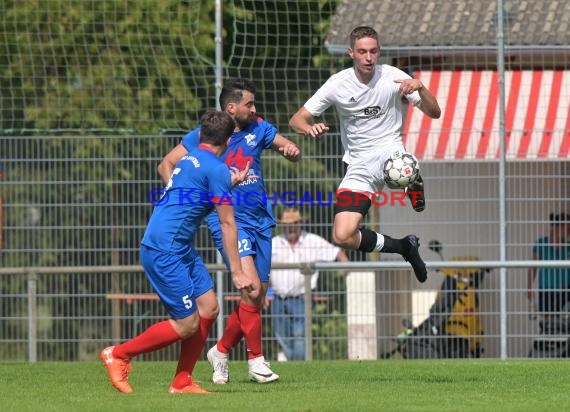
x,y
217,127
361,32
232,92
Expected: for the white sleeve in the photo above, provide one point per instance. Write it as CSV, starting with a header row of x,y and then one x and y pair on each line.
x,y
322,99
414,97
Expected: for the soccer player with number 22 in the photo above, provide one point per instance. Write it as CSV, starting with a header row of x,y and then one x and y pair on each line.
x,y
254,218
172,264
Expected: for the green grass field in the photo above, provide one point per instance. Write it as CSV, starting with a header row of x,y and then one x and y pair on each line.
x,y
394,385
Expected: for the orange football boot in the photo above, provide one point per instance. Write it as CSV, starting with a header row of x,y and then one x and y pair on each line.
x,y
118,370
192,387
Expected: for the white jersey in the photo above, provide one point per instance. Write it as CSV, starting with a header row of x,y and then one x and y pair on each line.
x,y
370,114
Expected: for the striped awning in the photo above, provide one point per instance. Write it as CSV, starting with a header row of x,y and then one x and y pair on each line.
x,y
537,116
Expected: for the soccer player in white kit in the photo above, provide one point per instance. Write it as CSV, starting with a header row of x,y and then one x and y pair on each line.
x,y
368,99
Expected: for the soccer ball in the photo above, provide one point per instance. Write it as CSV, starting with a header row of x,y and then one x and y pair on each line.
x,y
401,170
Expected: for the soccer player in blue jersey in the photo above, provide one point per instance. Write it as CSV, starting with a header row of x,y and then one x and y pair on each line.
x,y
254,218
200,182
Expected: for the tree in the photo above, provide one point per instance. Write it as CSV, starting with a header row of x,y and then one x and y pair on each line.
x,y
81,83
104,64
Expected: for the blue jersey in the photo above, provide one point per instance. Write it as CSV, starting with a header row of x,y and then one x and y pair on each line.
x,y
251,207
552,278
199,181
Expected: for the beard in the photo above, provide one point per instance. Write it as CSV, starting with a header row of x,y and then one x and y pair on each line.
x,y
242,123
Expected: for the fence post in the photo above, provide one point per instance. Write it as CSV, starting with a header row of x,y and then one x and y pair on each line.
x,y
32,317
361,315
308,272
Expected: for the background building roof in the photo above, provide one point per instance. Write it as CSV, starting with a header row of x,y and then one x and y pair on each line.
x,y
457,25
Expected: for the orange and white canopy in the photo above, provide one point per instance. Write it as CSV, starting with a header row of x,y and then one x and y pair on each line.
x,y
537,116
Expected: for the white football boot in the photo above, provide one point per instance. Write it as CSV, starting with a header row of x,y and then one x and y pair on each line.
x,y
260,371
220,367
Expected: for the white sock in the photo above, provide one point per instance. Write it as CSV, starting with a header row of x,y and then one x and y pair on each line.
x,y
379,242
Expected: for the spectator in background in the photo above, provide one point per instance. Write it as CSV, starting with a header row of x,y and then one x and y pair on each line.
x,y
295,245
553,284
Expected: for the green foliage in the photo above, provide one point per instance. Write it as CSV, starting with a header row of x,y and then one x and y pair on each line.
x,y
149,65
75,195
277,43
80,71
106,64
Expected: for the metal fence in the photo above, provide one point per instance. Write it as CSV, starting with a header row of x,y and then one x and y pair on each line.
x,y
74,193
72,202
69,313
372,311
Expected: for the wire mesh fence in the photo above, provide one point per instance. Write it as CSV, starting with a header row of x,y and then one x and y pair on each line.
x,y
51,314
94,93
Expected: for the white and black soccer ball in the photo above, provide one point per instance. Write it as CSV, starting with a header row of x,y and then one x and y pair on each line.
x,y
401,170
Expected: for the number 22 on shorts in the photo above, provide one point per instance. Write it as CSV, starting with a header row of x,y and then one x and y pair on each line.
x,y
244,245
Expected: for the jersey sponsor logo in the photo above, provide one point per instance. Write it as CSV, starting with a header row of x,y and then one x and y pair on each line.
x,y
250,179
250,139
352,100
237,159
372,111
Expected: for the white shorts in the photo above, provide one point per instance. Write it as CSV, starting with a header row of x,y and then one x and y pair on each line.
x,y
367,176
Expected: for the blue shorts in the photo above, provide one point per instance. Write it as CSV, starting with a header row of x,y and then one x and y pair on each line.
x,y
177,280
251,242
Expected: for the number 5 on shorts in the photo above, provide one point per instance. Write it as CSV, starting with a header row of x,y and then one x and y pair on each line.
x,y
187,301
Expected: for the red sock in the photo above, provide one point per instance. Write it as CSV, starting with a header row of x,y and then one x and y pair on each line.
x,y
250,318
158,336
232,333
190,350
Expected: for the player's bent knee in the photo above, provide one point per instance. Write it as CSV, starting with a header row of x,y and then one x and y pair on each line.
x,y
344,237
188,326
208,305
210,312
341,240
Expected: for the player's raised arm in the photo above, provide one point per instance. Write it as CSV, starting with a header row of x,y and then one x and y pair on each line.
x,y
428,104
302,123
166,166
286,148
